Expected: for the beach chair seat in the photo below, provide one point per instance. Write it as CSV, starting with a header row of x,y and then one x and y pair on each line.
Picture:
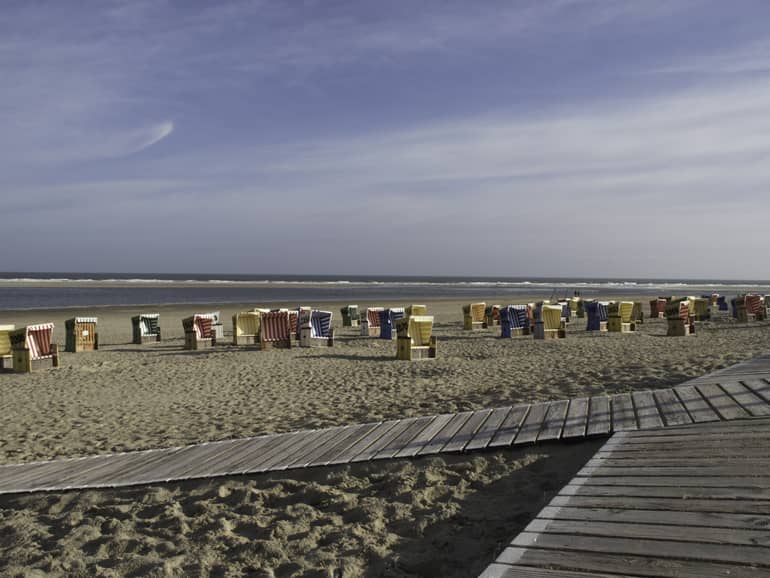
x,y
350,316
415,339
492,315
318,330
32,348
548,321
370,326
620,317
388,318
680,323
755,306
6,355
276,330
246,326
658,308
474,316
415,310
145,327
199,332
81,334
596,311
514,321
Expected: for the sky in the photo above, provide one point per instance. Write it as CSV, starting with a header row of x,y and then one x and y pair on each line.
x,y
579,138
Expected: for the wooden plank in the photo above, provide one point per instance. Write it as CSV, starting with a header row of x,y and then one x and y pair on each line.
x,y
383,441
692,519
351,452
532,424
109,471
599,416
687,492
262,460
698,408
157,470
688,453
742,469
754,425
488,429
467,431
447,433
238,455
672,410
760,387
577,419
645,460
312,450
625,564
744,397
668,504
510,426
219,463
679,533
554,421
721,402
646,410
623,418
496,570
640,547
403,439
353,435
425,436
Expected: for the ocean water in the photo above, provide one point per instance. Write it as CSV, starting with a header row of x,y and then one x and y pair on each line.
x,y
55,290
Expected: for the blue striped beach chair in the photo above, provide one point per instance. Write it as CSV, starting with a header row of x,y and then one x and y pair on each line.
x,y
596,311
514,321
388,318
317,330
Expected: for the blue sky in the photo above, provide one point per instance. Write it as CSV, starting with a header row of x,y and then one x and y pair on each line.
x,y
544,137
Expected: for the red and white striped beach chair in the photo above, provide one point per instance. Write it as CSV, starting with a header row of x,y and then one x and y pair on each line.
x,y
755,305
370,327
198,331
276,330
32,348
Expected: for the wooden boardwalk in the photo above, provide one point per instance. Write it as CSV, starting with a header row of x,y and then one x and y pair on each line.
x,y
740,395
685,502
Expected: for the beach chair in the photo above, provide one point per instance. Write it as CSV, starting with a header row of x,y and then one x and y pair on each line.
x,y
680,323
722,307
767,306
474,316
700,308
350,316
415,310
275,330
145,327
32,348
388,318
596,311
318,330
415,339
548,321
514,321
81,334
620,317
370,326
658,308
576,307
217,329
6,356
492,315
199,331
755,306
566,311
246,326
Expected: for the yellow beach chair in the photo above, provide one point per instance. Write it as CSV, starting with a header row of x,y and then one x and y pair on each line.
x,y
246,326
474,316
415,339
415,310
6,357
548,321
620,317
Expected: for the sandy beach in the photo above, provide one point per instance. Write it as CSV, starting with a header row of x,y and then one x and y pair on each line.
x,y
445,515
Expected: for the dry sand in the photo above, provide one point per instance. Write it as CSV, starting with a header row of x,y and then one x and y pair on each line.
x,y
437,516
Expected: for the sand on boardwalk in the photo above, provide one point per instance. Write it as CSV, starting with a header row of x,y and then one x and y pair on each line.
x,y
446,515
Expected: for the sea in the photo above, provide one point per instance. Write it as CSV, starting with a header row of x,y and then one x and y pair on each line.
x,y
20,291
